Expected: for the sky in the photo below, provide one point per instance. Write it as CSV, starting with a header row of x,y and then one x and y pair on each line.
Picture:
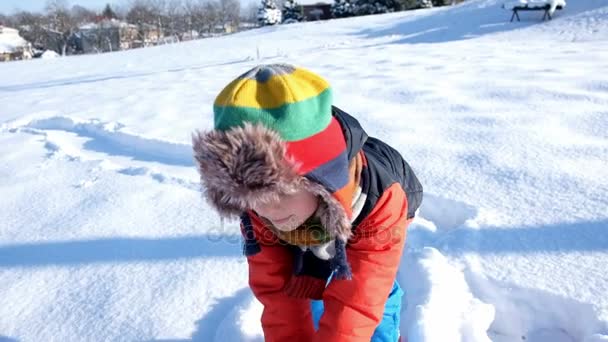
x,y
9,6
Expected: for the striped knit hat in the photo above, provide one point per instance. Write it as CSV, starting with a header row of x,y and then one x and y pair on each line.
x,y
274,134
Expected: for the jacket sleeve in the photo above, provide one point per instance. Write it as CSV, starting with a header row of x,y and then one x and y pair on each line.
x,y
284,318
354,308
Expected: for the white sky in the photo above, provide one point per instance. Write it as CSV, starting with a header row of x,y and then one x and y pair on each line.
x,y
9,6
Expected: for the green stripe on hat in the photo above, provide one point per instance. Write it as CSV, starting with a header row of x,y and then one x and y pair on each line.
x,y
293,121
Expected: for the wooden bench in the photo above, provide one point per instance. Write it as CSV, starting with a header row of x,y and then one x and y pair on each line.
x,y
545,8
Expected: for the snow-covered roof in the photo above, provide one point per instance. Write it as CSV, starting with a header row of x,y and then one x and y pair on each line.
x,y
88,26
106,23
8,30
10,40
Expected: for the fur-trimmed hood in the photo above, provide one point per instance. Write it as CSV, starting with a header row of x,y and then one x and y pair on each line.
x,y
248,164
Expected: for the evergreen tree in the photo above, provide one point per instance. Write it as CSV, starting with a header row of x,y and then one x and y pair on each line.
x,y
425,3
342,9
291,11
415,4
108,13
269,13
365,7
408,4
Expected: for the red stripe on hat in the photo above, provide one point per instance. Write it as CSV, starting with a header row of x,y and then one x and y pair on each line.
x,y
318,149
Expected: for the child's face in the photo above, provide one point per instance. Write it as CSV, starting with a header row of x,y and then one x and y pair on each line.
x,y
290,211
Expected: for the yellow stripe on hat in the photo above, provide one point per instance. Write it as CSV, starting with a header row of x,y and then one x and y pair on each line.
x,y
277,91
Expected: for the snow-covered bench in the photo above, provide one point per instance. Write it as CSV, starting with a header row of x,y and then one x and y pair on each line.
x,y
548,6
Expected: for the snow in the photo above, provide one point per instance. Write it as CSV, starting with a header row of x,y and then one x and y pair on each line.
x,y
535,4
10,40
106,23
104,235
314,2
49,54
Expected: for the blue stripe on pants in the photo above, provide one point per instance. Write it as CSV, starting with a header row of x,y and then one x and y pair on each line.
x,y
388,329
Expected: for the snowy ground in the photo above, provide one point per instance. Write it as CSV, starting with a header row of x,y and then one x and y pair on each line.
x,y
104,236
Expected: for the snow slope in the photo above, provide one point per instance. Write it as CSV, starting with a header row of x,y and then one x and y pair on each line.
x,y
104,236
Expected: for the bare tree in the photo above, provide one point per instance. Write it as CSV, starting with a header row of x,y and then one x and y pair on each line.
x,y
57,10
147,15
121,11
61,25
196,16
167,15
174,14
158,10
229,13
4,19
250,13
32,27
140,12
210,15
191,11
82,15
204,15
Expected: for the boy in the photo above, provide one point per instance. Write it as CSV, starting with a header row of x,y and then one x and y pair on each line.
x,y
323,207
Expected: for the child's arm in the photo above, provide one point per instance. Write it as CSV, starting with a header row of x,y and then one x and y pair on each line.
x,y
284,318
354,308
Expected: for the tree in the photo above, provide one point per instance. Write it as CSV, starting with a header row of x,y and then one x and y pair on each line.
x,y
120,11
269,13
193,13
158,10
229,13
365,7
141,14
81,14
250,13
292,11
108,13
415,4
4,20
210,15
31,27
174,17
342,9
61,25
437,3
408,4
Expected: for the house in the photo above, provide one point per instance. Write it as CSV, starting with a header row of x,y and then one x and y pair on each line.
x,y
318,11
244,26
189,35
148,35
225,28
13,46
106,35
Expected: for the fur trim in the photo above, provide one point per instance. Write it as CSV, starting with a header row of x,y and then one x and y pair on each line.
x,y
248,165
340,263
330,212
